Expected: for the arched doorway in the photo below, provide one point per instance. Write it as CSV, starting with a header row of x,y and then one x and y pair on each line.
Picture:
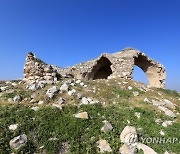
x,y
101,70
150,69
139,75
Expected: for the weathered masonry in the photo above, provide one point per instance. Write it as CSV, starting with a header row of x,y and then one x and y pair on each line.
x,y
106,66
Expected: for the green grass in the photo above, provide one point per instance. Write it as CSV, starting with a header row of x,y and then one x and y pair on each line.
x,y
173,93
22,93
81,135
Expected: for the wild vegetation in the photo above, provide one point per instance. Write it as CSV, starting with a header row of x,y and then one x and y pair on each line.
x,y
48,128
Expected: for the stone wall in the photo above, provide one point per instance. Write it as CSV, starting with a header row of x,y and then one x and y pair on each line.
x,y
117,65
36,70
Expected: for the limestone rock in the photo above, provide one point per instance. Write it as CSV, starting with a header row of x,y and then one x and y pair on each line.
x,y
135,93
61,101
52,91
17,98
125,150
128,135
35,108
64,87
162,133
82,115
129,138
107,126
71,92
79,96
19,141
137,114
64,147
84,101
13,127
167,123
169,104
104,146
146,100
145,148
59,106
167,111
40,102
130,88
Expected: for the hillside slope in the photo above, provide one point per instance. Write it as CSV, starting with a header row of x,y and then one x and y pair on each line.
x,y
90,117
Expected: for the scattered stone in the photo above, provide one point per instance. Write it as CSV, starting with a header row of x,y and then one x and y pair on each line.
x,y
135,93
4,88
137,114
61,101
72,84
53,139
125,150
158,121
125,83
168,153
162,133
107,126
104,146
78,81
33,101
14,84
84,101
130,88
169,104
64,87
18,142
41,84
17,98
167,111
40,102
36,108
63,149
59,106
70,93
159,94
13,127
10,91
34,95
127,133
146,100
145,148
158,103
165,103
82,115
129,138
79,96
52,91
128,122
32,87
82,83
167,123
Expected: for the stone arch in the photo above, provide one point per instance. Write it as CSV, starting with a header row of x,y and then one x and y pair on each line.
x,y
153,70
101,69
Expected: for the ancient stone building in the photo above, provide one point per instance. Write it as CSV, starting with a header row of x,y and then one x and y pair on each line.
x,y
117,65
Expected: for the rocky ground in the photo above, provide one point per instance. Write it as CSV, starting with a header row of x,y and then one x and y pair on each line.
x,y
101,116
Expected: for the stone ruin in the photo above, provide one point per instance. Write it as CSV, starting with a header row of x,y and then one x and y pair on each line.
x,y
106,66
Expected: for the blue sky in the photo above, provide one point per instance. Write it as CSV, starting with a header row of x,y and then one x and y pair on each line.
x,y
67,32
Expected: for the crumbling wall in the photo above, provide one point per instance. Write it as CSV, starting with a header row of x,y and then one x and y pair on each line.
x,y
36,70
117,65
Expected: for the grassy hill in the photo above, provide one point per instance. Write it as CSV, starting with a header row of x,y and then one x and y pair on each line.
x,y
52,127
